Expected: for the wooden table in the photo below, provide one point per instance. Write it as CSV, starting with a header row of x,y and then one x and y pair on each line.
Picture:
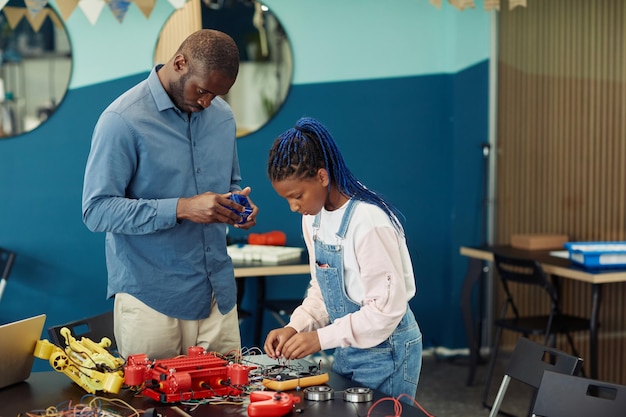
x,y
264,270
553,265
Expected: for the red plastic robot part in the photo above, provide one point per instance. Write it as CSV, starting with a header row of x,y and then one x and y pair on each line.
x,y
271,403
195,376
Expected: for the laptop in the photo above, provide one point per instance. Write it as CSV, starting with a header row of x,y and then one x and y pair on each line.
x,y
17,348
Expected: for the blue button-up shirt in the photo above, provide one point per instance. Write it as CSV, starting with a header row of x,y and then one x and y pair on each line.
x,y
145,155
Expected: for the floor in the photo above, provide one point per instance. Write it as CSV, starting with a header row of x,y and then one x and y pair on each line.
x,y
443,392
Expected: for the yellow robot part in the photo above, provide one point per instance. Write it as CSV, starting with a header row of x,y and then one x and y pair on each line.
x,y
85,362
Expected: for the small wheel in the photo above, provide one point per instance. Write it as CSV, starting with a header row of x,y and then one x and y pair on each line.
x,y
58,361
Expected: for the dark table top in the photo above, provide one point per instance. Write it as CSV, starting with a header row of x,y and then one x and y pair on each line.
x,y
45,389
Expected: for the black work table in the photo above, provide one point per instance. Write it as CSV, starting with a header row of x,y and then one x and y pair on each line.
x,y
45,389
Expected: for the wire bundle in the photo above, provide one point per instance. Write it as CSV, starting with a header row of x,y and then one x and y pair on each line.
x,y
89,406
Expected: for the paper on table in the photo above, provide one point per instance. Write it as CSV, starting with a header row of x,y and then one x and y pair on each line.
x,y
263,253
560,254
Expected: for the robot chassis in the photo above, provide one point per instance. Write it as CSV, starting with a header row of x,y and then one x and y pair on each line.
x,y
87,363
195,376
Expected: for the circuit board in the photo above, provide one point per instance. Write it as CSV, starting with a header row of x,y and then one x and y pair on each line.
x,y
292,375
291,382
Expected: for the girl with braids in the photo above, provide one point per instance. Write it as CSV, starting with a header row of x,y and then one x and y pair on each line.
x,y
361,272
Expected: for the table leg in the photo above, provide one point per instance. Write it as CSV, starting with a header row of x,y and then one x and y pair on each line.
x,y
260,310
473,275
596,298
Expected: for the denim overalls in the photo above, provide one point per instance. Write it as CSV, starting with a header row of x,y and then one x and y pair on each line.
x,y
393,367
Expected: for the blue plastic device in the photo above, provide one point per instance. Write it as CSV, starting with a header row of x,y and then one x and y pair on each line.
x,y
247,209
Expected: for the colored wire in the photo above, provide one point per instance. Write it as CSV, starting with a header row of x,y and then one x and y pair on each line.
x,y
397,405
90,406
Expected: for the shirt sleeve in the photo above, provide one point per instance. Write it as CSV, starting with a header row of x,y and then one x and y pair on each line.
x,y
380,261
112,160
235,176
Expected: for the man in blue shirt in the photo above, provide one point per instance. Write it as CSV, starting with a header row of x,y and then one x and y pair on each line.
x,y
162,165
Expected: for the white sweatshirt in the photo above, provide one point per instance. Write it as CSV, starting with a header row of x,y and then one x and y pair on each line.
x,y
378,276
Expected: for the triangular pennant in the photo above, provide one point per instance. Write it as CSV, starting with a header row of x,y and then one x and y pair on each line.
x,y
119,8
14,15
56,21
514,3
462,4
66,7
177,3
436,3
492,5
37,19
91,9
146,6
35,6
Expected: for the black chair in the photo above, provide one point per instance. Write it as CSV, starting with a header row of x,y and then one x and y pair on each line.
x,y
527,273
527,364
7,258
94,328
561,395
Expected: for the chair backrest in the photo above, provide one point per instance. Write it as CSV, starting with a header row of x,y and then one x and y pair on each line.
x,y
7,258
521,270
524,271
563,395
528,363
530,359
94,328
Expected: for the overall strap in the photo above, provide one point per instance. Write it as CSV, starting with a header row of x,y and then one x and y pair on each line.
x,y
345,220
343,228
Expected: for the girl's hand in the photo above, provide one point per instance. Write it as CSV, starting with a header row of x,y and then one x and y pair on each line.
x,y
276,339
300,345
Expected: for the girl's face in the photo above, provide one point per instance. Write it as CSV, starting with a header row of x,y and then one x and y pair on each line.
x,y
304,195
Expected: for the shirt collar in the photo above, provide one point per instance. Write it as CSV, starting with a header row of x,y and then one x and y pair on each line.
x,y
162,100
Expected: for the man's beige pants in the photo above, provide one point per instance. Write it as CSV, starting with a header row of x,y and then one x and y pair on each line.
x,y
141,329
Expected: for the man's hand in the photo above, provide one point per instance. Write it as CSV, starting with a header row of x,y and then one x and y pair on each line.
x,y
215,208
251,220
208,208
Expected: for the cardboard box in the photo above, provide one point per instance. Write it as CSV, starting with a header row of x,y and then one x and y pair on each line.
x,y
538,241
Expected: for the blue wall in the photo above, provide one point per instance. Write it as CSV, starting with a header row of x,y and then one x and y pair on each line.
x,y
403,88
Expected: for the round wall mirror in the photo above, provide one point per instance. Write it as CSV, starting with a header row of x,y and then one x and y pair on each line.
x,y
35,67
266,64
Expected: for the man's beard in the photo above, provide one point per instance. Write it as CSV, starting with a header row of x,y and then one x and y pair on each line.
x,y
177,91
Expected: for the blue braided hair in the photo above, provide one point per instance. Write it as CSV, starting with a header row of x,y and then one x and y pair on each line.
x,y
308,146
